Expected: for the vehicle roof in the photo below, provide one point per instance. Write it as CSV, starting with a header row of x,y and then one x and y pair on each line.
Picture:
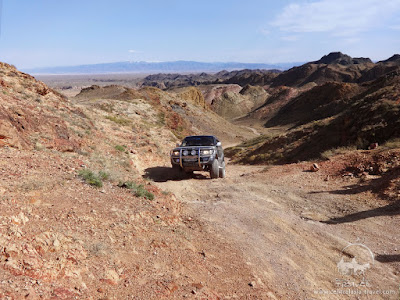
x,y
201,136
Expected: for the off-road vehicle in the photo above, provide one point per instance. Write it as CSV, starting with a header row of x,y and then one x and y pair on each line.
x,y
199,153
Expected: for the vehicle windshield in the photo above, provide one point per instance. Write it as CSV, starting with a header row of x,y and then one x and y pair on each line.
x,y
198,141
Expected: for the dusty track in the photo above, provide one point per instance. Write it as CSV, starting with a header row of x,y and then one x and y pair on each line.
x,y
283,221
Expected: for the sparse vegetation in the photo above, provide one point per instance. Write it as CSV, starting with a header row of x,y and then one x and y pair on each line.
x,y
92,178
108,107
138,190
161,119
340,150
255,141
119,120
121,148
104,175
392,144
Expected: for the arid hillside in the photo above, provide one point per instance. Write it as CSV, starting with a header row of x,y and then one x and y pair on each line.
x,y
240,77
77,218
327,117
34,116
332,67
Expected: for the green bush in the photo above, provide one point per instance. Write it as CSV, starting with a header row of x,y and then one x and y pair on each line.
x,y
91,178
120,148
104,175
138,190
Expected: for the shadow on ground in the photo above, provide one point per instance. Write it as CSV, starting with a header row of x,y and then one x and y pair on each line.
x,y
164,174
387,258
377,186
387,210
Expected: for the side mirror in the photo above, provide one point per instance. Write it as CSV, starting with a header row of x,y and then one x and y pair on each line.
x,y
177,144
219,144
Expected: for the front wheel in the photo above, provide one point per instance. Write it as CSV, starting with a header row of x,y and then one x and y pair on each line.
x,y
214,170
188,174
176,168
222,170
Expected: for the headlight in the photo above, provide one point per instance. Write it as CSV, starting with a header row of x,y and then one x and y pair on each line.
x,y
175,153
193,152
207,152
185,152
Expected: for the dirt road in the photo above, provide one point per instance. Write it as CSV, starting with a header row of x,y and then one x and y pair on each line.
x,y
293,228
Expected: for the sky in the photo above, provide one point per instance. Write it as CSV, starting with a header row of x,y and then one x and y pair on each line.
x,y
44,33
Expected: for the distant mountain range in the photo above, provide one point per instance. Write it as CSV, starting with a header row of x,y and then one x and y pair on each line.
x,y
158,67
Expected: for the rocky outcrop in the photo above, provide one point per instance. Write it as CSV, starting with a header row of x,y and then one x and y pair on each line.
x,y
95,91
34,116
193,95
332,67
212,92
341,59
241,77
328,117
232,101
315,104
381,68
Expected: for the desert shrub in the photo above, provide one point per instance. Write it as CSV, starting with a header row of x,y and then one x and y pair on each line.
x,y
392,143
92,178
336,151
121,148
120,121
138,190
104,175
108,107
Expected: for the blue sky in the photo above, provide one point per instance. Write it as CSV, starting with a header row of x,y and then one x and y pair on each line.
x,y
44,33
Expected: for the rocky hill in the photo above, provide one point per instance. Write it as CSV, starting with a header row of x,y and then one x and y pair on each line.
x,y
339,58
315,104
327,117
34,116
336,67
241,77
231,100
381,68
332,67
339,75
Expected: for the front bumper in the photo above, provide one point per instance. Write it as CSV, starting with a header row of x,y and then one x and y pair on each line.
x,y
197,161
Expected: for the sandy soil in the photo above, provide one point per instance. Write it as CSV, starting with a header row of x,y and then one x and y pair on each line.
x,y
292,225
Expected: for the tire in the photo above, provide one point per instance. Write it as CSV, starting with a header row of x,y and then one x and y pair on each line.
x,y
221,172
214,170
188,174
176,167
